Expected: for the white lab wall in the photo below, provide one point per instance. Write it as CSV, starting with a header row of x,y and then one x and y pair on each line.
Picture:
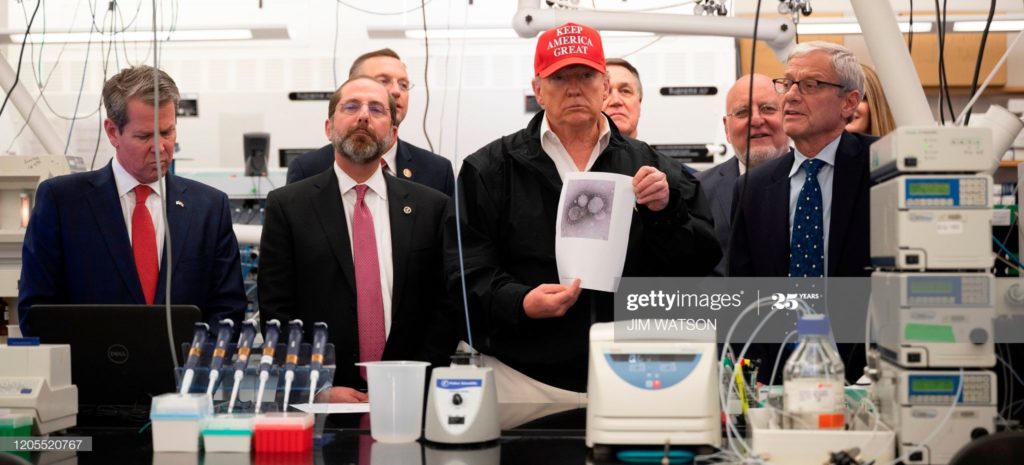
x,y
477,86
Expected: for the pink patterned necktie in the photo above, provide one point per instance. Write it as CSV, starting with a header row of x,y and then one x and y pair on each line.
x,y
369,299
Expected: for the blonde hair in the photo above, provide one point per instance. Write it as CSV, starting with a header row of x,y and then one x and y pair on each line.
x,y
880,121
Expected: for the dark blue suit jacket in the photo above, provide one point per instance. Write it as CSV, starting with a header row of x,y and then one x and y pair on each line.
x,y
718,183
761,246
761,242
414,164
77,249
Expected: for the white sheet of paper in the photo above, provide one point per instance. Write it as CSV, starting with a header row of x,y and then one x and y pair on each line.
x,y
361,407
592,231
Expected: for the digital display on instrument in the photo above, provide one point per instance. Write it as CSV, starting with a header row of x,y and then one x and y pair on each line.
x,y
652,358
653,369
931,286
930,189
936,385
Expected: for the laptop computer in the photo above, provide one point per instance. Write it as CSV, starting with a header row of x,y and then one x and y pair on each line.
x,y
120,354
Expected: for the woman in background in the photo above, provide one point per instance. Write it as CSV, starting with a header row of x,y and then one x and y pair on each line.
x,y
872,115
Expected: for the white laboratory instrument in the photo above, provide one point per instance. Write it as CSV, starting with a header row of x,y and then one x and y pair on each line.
x,y
934,320
931,149
914,402
19,178
650,390
36,380
462,404
812,447
932,222
486,456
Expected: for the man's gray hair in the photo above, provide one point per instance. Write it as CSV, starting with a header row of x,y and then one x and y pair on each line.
x,y
136,82
844,63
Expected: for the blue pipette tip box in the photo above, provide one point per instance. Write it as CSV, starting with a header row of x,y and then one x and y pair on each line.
x,y
23,341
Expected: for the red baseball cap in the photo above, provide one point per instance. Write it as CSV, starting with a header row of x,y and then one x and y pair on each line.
x,y
568,44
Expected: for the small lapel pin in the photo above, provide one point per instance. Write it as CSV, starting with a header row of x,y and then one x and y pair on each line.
x,y
407,210
179,203
407,173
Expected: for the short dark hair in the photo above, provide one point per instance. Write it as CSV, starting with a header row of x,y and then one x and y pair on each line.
x,y
136,82
336,98
632,70
384,52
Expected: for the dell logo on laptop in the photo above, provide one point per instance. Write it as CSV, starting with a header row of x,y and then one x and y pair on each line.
x,y
117,353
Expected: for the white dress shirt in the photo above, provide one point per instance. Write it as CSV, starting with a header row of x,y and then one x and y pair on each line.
x,y
391,158
126,195
377,201
564,163
825,176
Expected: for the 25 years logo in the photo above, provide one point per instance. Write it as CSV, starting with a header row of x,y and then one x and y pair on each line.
x,y
784,301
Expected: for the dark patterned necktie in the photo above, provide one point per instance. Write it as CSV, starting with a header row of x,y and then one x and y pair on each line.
x,y
807,243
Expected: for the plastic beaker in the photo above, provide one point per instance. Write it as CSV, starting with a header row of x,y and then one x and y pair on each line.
x,y
396,399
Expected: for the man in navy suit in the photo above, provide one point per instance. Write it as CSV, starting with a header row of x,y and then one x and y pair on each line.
x,y
821,90
767,142
99,237
360,250
794,224
402,159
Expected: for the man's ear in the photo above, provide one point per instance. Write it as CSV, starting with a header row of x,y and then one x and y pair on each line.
x,y
850,103
113,134
725,125
535,83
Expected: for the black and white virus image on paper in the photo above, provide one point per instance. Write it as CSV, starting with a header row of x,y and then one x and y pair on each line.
x,y
587,211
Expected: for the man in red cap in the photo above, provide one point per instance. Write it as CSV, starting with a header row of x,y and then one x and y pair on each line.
x,y
533,330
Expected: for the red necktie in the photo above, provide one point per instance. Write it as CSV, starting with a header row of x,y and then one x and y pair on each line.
x,y
144,244
369,299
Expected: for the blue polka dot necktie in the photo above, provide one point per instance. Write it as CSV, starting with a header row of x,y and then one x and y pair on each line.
x,y
807,243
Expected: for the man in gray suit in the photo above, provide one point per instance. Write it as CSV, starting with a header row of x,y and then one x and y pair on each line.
x,y
767,141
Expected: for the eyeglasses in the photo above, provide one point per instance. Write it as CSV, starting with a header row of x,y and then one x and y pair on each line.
x,y
386,81
806,86
765,109
377,110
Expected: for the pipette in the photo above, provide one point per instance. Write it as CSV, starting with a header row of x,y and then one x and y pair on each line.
x,y
291,358
220,350
198,339
267,359
245,338
316,358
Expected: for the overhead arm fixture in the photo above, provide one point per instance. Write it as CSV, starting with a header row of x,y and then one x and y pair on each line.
x,y
180,35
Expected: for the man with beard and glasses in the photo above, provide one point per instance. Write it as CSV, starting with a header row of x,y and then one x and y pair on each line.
x,y
359,250
767,142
